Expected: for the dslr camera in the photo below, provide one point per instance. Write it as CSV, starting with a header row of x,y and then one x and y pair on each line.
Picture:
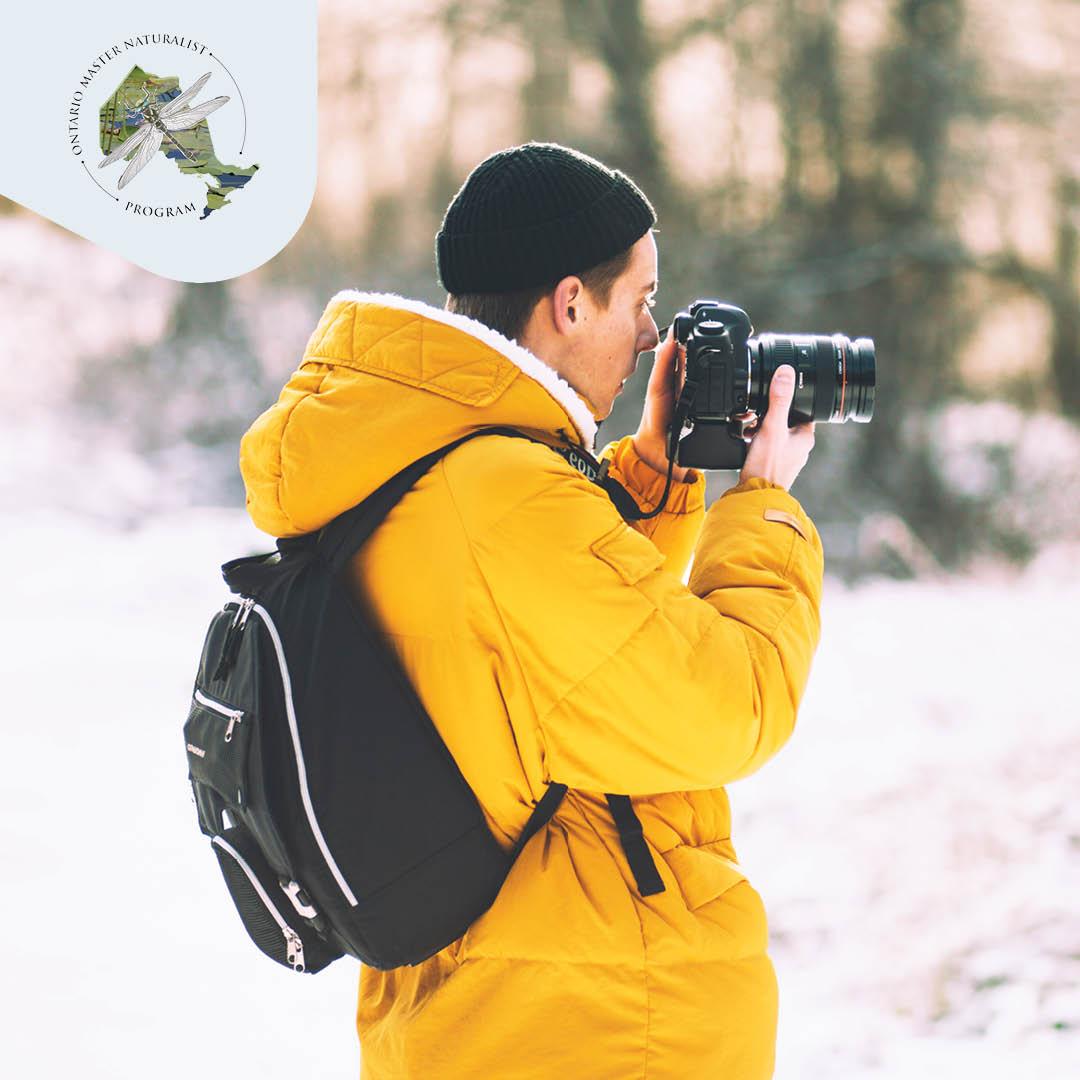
x,y
728,372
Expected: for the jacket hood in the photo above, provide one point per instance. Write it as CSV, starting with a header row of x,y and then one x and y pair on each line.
x,y
384,380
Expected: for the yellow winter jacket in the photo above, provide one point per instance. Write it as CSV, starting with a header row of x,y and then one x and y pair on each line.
x,y
550,640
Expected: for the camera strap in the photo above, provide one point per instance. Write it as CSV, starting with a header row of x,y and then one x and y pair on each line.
x,y
597,472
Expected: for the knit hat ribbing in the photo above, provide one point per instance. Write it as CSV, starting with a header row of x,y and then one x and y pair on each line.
x,y
531,214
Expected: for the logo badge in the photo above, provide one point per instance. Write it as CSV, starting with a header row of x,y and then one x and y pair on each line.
x,y
149,117
194,157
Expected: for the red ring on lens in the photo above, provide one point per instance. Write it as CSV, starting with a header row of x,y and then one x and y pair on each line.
x,y
843,377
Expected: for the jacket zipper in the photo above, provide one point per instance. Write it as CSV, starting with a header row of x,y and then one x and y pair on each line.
x,y
294,947
301,771
234,715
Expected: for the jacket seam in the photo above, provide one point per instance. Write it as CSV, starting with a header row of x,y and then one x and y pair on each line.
x,y
695,847
656,612
783,574
359,362
565,470
776,648
608,658
795,589
278,487
498,614
644,941
789,560
315,352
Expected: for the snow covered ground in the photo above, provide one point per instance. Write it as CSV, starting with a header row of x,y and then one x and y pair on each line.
x,y
917,843
918,840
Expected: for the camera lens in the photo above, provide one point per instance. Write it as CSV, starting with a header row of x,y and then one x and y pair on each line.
x,y
834,376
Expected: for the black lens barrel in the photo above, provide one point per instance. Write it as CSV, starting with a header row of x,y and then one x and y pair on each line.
x,y
862,380
834,381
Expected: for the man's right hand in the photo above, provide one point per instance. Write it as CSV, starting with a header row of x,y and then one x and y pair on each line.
x,y
778,453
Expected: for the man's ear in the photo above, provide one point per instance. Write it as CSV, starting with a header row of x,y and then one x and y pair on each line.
x,y
566,304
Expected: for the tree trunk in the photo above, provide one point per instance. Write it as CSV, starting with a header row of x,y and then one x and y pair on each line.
x,y
1065,348
545,97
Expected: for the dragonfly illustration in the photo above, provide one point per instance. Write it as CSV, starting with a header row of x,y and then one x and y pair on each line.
x,y
157,121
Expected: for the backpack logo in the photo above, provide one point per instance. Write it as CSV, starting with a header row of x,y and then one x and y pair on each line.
x,y
197,750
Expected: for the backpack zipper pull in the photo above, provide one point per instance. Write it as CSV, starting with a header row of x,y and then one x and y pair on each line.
x,y
242,613
294,949
234,715
233,721
232,638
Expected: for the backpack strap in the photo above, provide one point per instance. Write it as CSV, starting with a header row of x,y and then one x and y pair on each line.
x,y
339,540
597,472
540,816
637,851
631,836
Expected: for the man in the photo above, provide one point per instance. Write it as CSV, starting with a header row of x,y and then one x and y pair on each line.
x,y
551,641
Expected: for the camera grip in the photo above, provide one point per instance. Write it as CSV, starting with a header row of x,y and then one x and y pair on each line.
x,y
711,445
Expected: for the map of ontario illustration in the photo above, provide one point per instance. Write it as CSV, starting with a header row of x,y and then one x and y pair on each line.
x,y
149,114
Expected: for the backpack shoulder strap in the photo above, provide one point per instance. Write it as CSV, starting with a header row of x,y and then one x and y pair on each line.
x,y
339,539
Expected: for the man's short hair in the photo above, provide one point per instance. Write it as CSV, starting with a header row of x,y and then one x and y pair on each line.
x,y
509,312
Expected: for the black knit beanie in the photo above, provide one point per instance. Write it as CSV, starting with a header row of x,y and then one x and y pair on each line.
x,y
529,215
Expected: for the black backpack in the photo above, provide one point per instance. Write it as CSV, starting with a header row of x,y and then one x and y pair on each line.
x,y
338,816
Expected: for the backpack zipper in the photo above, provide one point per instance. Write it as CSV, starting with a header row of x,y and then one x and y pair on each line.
x,y
234,715
294,947
232,637
301,771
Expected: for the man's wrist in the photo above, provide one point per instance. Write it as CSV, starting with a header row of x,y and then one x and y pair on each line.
x,y
654,455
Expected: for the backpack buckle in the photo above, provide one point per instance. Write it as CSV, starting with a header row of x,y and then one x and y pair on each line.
x,y
298,898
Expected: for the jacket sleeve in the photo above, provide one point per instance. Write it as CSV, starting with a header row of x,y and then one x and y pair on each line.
x,y
675,529
639,683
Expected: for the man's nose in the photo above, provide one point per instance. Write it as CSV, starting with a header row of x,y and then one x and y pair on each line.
x,y
653,338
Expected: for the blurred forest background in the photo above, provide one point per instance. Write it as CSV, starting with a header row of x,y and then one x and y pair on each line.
x,y
907,170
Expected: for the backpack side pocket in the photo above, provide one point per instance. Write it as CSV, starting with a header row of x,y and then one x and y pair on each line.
x,y
270,911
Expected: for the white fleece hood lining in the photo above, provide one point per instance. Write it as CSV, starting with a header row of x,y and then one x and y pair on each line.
x,y
525,361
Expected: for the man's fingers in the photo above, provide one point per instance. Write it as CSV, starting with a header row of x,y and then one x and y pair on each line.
x,y
663,373
750,423
668,343
781,393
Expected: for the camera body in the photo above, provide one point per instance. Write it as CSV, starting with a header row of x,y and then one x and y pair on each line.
x,y
728,372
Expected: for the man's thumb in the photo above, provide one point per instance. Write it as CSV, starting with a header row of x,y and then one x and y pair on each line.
x,y
781,391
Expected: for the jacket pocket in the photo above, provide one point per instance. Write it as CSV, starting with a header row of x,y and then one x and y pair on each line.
x,y
702,872
631,555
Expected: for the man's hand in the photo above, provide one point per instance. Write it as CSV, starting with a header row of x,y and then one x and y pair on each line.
x,y
665,384
778,453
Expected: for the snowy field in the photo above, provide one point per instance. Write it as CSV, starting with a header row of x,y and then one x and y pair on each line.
x,y
917,843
